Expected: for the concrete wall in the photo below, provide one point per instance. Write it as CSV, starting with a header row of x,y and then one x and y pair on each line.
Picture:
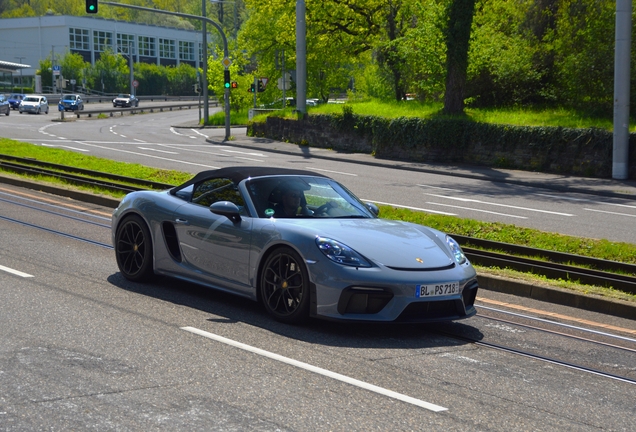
x,y
580,152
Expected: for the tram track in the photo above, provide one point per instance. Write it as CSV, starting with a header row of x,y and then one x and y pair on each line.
x,y
551,264
627,346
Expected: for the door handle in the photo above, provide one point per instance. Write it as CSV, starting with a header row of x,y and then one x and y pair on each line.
x,y
182,221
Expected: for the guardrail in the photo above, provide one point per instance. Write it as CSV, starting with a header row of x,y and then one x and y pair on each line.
x,y
133,110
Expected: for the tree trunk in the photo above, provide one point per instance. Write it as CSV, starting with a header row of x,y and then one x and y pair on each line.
x,y
460,19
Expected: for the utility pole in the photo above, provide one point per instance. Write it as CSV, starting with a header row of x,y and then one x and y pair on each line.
x,y
620,154
206,111
301,58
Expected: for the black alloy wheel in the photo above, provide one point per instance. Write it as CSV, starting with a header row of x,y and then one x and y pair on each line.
x,y
284,286
133,249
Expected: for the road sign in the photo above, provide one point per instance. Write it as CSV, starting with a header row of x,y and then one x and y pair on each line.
x,y
264,81
226,62
57,70
135,83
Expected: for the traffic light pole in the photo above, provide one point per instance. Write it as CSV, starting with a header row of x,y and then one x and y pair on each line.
x,y
205,78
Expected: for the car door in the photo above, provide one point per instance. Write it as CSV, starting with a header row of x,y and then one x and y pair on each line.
x,y
215,247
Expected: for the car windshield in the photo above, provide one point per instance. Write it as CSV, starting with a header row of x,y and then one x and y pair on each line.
x,y
2,98
70,97
123,96
305,196
31,99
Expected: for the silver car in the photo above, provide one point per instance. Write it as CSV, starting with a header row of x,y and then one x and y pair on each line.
x,y
34,104
297,241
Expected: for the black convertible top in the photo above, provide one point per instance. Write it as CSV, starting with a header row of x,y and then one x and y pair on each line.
x,y
240,173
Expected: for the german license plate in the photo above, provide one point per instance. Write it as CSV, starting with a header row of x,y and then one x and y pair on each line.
x,y
436,290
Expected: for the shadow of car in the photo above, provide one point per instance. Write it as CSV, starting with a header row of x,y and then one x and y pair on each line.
x,y
15,99
5,108
125,100
71,102
34,104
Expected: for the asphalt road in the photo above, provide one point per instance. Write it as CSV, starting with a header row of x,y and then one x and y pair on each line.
x,y
85,349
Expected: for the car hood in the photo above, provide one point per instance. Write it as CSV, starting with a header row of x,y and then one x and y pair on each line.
x,y
30,103
393,244
71,101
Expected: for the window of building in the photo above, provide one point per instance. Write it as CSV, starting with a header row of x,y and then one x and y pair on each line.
x,y
125,42
167,48
147,46
186,50
78,39
102,40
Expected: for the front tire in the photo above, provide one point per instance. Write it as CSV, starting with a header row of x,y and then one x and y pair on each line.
x,y
284,286
133,249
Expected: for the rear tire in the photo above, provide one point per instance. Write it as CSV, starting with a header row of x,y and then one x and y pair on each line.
x,y
133,249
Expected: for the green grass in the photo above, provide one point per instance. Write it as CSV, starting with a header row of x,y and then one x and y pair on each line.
x,y
506,233
514,116
236,118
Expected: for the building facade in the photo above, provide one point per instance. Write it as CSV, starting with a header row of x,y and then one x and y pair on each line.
x,y
29,40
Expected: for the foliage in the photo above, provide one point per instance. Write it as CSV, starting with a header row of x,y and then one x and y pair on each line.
x,y
110,73
557,53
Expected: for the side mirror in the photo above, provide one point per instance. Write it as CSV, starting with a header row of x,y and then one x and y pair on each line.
x,y
373,208
227,209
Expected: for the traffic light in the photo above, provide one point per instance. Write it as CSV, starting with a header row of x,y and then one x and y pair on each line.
x,y
261,87
91,6
226,76
251,89
234,84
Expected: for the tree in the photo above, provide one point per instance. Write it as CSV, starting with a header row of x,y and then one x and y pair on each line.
x,y
460,18
110,73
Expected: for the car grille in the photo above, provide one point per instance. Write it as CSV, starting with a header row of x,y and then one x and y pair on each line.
x,y
361,300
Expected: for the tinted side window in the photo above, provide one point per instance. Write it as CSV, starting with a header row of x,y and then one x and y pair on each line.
x,y
219,189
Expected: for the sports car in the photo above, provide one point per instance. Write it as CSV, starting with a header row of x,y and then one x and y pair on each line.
x,y
297,241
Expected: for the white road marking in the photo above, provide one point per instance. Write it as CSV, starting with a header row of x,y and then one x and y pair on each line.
x,y
317,370
609,212
177,133
410,208
145,155
141,141
587,200
197,132
478,210
329,171
498,205
68,147
438,187
15,272
160,151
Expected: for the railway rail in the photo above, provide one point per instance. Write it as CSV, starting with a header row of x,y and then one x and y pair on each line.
x,y
555,265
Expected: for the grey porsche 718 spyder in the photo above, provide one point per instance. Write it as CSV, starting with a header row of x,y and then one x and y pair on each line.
x,y
299,242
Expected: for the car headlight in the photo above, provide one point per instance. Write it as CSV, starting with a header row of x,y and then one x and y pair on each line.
x,y
340,253
456,250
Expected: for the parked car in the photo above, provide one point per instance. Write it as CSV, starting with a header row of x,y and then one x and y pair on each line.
x,y
71,102
5,108
15,99
125,100
297,241
34,104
